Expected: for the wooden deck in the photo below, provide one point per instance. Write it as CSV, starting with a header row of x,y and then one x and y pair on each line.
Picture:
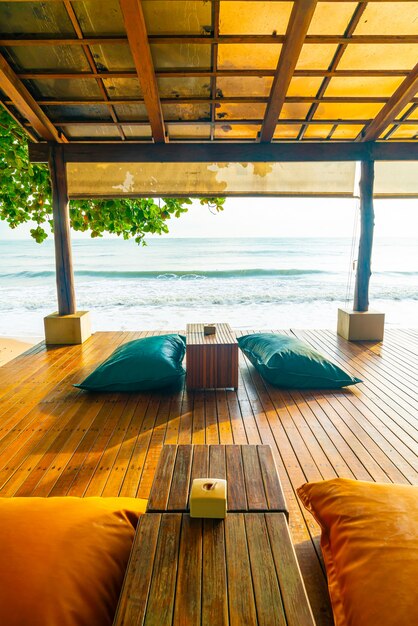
x,y
57,440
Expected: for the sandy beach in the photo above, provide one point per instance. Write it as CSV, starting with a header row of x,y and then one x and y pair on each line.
x,y
11,348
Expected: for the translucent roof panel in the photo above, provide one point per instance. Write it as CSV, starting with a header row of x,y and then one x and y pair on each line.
x,y
248,86
236,131
178,17
118,88
131,112
75,89
188,87
315,56
394,178
318,131
287,131
138,132
87,131
255,18
294,111
115,58
186,111
43,18
71,112
189,131
173,55
59,58
304,86
245,111
347,131
389,18
413,115
99,18
405,131
347,110
363,86
331,18
141,179
248,56
370,56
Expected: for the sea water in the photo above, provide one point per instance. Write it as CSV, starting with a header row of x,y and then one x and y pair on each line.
x,y
252,283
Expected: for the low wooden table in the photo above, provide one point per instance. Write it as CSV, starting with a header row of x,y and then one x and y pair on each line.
x,y
212,360
252,479
241,571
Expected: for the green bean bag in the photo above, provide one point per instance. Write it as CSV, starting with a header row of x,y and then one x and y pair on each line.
x,y
140,365
288,362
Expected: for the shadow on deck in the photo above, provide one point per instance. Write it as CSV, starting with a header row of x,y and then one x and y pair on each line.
x,y
57,440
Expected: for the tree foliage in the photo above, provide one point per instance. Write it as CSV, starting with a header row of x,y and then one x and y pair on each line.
x,y
25,196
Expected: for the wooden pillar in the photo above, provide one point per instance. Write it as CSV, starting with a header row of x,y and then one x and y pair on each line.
x,y
361,290
61,214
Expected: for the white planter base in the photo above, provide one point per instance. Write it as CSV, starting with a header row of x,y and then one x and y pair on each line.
x,y
67,329
360,325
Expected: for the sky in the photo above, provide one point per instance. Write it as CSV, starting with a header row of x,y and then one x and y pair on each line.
x,y
280,217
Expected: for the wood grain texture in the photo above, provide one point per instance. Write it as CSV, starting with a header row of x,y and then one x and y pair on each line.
x,y
297,28
252,479
51,431
136,31
212,360
364,259
62,234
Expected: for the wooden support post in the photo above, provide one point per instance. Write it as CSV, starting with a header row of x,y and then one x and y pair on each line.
x,y
61,214
361,290
360,324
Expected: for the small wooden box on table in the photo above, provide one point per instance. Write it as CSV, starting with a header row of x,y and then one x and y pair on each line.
x,y
236,571
212,360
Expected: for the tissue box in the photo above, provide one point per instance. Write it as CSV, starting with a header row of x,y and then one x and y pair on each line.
x,y
208,498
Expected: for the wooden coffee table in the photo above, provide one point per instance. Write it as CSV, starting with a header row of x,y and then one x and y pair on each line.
x,y
238,571
211,360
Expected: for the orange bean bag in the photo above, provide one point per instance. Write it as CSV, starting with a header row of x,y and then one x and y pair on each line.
x,y
370,545
62,560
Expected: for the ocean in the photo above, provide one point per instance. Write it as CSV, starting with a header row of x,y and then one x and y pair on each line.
x,y
254,283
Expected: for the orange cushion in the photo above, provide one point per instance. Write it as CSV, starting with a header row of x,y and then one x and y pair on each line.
x,y
370,546
62,560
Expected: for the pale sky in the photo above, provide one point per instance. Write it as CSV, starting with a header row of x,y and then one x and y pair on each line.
x,y
280,217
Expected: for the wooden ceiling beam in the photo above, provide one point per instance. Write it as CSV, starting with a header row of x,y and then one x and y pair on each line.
x,y
26,104
220,101
30,40
90,60
400,99
352,25
138,42
195,73
224,152
300,19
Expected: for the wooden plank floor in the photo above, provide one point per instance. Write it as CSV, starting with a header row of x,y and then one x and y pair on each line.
x,y
58,440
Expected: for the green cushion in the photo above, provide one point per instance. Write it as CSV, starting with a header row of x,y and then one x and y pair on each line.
x,y
149,363
287,362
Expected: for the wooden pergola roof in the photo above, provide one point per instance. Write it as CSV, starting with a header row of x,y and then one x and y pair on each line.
x,y
216,71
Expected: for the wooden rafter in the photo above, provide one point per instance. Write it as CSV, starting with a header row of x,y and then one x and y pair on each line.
x,y
138,42
26,104
214,57
298,26
206,40
402,120
361,6
227,100
402,96
92,64
196,73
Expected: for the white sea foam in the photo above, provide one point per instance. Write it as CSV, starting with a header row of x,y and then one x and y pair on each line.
x,y
251,283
